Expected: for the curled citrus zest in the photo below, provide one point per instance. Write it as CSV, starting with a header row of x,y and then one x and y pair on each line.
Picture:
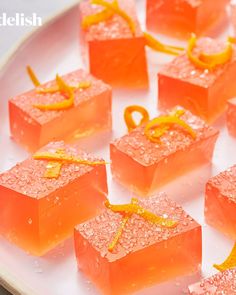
x,y
60,87
117,10
62,105
81,85
156,45
232,40
32,76
159,126
208,61
58,159
230,261
127,210
98,17
130,123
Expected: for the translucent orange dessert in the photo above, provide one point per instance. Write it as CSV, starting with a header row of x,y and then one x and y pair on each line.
x,y
200,79
72,106
132,246
220,283
162,149
180,18
44,197
233,15
113,43
231,116
220,202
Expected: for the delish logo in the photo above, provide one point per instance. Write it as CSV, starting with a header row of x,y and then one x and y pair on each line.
x,y
20,20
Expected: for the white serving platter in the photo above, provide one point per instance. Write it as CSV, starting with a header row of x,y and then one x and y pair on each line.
x,y
52,49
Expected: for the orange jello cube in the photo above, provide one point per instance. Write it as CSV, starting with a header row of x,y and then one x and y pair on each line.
x,y
145,253
113,53
220,202
143,166
231,116
91,112
203,92
220,283
233,15
180,18
37,212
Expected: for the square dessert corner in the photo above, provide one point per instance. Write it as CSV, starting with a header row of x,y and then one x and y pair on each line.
x,y
220,283
38,212
203,92
111,51
145,253
144,166
231,117
91,112
181,18
220,202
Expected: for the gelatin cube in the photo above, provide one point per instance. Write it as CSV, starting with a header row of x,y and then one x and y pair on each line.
x,y
203,92
220,283
181,18
220,202
145,254
38,212
143,166
233,15
33,128
104,47
231,116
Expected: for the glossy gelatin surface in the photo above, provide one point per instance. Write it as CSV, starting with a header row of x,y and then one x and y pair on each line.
x,y
220,202
39,212
91,112
143,166
202,91
113,53
181,18
145,254
231,117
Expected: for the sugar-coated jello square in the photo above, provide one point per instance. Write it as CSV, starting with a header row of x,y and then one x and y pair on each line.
x,y
204,92
180,18
91,112
37,211
112,51
145,253
143,166
231,116
220,283
220,202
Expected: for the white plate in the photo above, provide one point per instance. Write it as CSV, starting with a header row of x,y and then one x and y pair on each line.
x,y
55,49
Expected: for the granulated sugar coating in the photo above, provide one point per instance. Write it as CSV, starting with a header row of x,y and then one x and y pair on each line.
x,y
145,254
223,283
34,128
112,51
40,212
143,165
202,91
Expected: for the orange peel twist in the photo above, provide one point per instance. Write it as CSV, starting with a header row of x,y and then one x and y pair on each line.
x,y
209,61
156,45
127,210
159,126
230,261
128,116
58,159
110,9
